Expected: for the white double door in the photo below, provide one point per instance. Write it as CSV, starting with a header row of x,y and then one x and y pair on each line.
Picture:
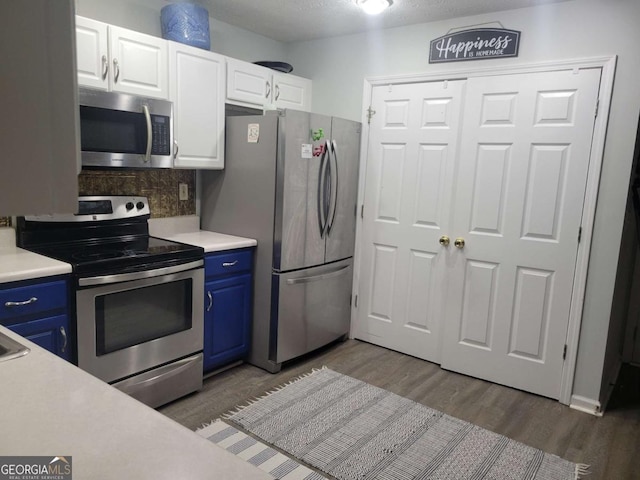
x,y
497,165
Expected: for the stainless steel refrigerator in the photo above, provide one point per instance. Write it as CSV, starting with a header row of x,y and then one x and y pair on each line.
x,y
290,181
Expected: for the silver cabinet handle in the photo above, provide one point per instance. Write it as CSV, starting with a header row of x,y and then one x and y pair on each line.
x,y
63,332
116,70
268,90
147,116
21,304
210,300
176,149
105,67
230,264
277,91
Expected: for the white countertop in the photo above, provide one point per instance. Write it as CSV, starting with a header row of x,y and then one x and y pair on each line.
x,y
187,230
50,407
18,264
212,241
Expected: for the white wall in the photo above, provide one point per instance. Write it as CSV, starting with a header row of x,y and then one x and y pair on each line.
x,y
225,39
573,29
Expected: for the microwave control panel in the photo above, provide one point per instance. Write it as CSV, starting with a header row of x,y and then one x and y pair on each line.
x,y
161,129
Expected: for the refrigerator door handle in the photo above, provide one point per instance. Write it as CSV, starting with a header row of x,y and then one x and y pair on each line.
x,y
322,214
328,185
334,184
335,273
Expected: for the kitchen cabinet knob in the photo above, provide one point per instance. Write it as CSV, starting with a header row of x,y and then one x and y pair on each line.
x,y
63,332
444,241
105,67
116,70
210,301
459,242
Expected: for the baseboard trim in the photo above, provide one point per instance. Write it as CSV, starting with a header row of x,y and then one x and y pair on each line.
x,y
222,369
586,405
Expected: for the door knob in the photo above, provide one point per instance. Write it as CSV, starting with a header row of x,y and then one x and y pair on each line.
x,y
444,241
459,242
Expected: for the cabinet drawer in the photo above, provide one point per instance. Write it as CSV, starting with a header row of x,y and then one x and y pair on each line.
x,y
32,299
227,263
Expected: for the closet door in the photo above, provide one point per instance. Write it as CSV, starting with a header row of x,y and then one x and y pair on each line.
x,y
524,156
409,179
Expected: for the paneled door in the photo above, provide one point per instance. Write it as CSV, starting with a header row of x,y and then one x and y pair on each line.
x,y
408,193
524,157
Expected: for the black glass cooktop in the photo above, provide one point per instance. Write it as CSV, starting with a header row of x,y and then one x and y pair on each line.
x,y
120,256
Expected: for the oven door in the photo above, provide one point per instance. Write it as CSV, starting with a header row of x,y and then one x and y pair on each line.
x,y
129,325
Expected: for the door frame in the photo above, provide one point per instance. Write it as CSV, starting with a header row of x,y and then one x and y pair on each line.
x,y
607,65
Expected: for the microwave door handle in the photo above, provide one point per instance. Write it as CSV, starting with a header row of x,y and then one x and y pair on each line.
x,y
147,117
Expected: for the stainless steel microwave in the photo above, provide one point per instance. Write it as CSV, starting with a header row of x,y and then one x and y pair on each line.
x,y
121,130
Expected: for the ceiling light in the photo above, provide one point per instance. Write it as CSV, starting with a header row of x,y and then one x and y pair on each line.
x,y
373,7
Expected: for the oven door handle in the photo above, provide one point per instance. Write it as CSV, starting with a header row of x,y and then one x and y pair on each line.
x,y
126,277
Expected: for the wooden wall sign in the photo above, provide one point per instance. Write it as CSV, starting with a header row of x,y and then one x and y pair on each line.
x,y
475,44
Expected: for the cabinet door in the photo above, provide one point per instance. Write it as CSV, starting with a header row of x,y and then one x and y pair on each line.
x,y
51,333
290,91
227,320
92,53
248,83
196,88
138,63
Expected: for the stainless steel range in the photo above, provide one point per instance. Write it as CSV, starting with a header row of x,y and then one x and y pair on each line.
x,y
138,299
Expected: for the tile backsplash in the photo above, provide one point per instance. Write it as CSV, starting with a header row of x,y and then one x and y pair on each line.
x,y
161,186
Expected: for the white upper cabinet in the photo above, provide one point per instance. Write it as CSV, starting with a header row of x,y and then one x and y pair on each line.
x,y
253,85
248,83
121,60
196,88
92,53
39,137
290,91
138,63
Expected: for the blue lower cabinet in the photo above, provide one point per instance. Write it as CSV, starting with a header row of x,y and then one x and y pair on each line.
x,y
51,333
38,310
227,321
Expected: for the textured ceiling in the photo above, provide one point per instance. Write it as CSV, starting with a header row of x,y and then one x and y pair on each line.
x,y
298,20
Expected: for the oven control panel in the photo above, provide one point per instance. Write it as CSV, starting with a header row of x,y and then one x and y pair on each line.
x,y
100,207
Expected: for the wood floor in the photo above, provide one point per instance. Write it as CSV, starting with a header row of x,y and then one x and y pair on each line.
x,y
611,444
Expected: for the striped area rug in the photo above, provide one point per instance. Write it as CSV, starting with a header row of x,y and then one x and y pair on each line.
x,y
349,429
256,453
